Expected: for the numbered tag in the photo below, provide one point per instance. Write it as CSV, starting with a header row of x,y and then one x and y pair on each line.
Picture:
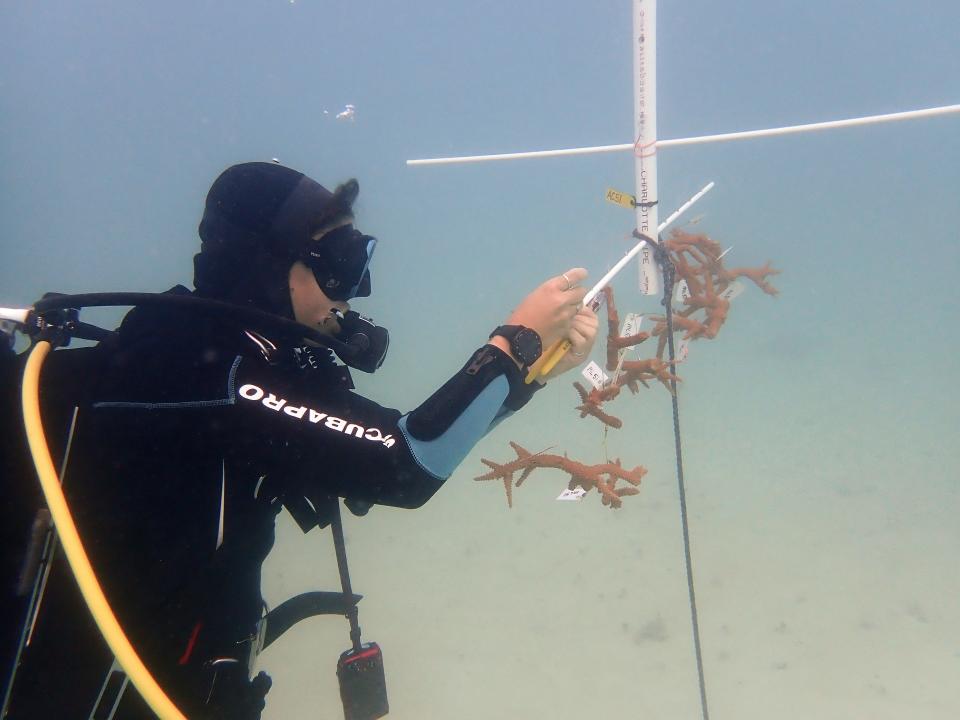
x,y
569,495
683,349
631,324
595,375
681,292
732,291
621,198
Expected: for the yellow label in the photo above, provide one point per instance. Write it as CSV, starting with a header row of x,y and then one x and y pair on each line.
x,y
620,198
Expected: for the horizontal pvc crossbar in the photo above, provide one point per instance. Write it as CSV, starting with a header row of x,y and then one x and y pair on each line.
x,y
722,137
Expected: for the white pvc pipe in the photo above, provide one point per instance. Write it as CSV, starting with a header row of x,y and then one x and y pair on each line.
x,y
521,155
605,280
701,139
645,134
812,127
18,315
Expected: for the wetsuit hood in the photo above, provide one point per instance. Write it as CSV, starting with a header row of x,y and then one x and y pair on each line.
x,y
257,221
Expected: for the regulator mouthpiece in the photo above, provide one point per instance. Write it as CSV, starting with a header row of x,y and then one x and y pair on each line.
x,y
366,342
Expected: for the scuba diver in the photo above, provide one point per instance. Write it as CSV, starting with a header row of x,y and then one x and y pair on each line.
x,y
183,436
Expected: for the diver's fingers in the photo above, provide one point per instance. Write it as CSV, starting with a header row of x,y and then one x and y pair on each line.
x,y
568,280
586,322
574,296
583,332
579,344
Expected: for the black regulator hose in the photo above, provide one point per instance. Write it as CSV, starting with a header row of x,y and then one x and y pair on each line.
x,y
236,313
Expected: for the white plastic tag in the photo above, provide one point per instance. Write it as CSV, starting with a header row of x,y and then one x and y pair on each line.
x,y
733,289
681,292
683,349
576,494
595,375
631,324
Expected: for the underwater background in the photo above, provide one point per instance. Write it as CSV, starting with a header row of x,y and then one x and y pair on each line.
x,y
819,429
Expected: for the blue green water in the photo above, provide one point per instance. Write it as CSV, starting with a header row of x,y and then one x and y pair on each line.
x,y
819,428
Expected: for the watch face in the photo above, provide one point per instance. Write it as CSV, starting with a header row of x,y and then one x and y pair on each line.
x,y
526,346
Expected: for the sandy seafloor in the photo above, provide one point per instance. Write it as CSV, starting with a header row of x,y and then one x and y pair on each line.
x,y
825,575
819,429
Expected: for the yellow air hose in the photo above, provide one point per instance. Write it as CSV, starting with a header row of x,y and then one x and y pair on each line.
x,y
77,557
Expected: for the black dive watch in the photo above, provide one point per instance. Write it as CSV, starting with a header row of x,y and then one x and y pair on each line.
x,y
525,344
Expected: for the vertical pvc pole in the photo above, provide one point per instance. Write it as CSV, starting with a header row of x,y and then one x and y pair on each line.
x,y
645,134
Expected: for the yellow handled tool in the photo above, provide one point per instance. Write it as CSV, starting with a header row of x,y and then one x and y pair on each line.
x,y
547,361
552,356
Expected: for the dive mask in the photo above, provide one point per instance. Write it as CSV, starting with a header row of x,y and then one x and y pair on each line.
x,y
340,262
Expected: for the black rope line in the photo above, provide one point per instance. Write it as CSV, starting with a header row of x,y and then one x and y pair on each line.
x,y
669,274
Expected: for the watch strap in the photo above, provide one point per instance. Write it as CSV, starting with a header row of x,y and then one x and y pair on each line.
x,y
506,331
510,333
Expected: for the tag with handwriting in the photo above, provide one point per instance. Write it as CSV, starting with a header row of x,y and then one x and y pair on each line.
x,y
622,199
649,277
631,324
733,289
681,292
576,494
595,375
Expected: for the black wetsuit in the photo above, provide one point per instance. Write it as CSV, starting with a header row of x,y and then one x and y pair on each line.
x,y
189,441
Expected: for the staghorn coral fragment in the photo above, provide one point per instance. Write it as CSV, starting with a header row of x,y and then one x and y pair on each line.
x,y
698,245
694,328
649,369
602,477
757,275
698,262
591,402
499,472
716,308
615,341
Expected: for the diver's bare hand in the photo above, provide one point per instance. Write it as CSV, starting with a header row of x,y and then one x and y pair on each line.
x,y
550,308
582,336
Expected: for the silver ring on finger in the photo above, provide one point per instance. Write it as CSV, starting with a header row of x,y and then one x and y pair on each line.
x,y
569,284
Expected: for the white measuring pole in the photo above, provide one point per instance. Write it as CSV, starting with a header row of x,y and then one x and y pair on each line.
x,y
645,134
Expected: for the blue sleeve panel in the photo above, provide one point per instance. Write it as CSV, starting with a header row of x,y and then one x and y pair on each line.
x,y
445,427
441,455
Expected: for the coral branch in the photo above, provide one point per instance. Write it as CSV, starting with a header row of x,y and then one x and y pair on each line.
x,y
642,370
699,263
591,402
604,477
757,275
694,328
615,341
707,290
